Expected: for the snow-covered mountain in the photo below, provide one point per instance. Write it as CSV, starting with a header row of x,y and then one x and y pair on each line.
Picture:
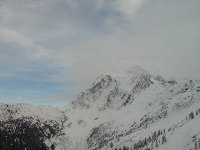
x,y
131,111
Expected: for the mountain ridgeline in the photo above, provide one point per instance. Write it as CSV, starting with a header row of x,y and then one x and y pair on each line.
x,y
133,111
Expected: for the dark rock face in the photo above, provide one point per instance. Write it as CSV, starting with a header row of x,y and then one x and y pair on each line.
x,y
100,136
105,82
23,134
96,89
142,84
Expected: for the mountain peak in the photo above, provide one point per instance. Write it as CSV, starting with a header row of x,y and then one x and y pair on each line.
x,y
135,110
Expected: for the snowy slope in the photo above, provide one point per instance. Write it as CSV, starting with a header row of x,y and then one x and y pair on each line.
x,y
134,110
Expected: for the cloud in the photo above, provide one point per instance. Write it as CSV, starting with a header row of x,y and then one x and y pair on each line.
x,y
160,41
35,31
44,24
66,40
56,98
11,36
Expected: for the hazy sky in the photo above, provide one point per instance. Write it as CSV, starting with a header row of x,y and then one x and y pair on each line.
x,y
52,49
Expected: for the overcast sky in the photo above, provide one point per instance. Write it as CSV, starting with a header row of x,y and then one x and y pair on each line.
x,y
50,50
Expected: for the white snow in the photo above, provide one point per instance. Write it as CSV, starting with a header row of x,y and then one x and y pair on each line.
x,y
154,101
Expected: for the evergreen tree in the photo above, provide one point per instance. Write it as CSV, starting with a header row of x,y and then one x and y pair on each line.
x,y
191,115
164,139
111,145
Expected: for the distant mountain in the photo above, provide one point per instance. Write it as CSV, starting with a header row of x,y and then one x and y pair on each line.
x,y
133,111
